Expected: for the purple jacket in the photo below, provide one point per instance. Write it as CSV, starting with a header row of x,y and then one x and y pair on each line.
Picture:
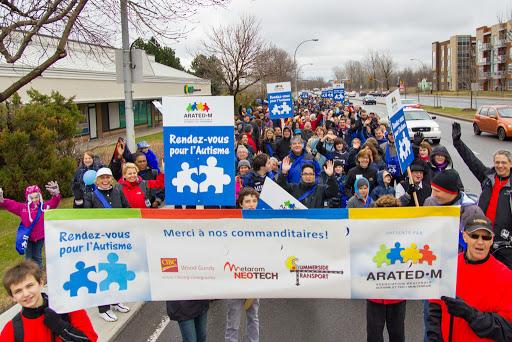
x,y
21,210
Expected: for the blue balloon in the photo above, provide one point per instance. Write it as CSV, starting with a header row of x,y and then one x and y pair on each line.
x,y
89,177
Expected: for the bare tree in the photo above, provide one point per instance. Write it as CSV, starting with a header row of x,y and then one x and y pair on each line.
x,y
339,72
386,66
238,47
51,24
275,65
371,64
355,72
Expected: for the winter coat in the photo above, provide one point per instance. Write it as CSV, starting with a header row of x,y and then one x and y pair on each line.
x,y
357,202
487,178
407,200
283,148
137,193
251,142
77,184
435,169
114,196
340,200
155,194
269,147
317,198
294,175
332,154
254,180
22,210
368,173
381,189
152,160
183,310
485,286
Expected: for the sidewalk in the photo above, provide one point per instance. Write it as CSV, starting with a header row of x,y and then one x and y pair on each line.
x,y
106,331
111,140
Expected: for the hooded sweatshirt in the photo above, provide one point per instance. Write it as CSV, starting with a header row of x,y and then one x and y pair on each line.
x,y
358,201
382,189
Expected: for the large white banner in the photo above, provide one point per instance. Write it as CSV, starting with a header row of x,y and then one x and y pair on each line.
x,y
102,256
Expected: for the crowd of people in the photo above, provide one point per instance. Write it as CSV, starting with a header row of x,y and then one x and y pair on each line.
x,y
329,155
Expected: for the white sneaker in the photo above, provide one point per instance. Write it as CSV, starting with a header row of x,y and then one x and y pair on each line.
x,y
109,316
121,307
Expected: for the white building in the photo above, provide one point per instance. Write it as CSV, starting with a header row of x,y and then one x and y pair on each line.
x,y
89,74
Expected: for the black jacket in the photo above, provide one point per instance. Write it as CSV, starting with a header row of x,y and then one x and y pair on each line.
x,y
283,148
322,193
114,196
182,310
369,173
265,147
77,185
407,200
433,170
486,176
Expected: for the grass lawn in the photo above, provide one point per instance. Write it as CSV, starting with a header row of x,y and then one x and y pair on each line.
x,y
465,113
8,254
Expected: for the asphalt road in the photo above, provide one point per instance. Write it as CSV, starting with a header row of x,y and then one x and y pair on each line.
x,y
318,320
457,101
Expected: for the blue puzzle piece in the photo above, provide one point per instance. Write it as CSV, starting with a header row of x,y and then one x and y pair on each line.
x,y
80,279
117,273
394,255
194,106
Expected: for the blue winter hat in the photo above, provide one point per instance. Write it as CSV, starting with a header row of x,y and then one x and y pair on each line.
x,y
360,181
143,144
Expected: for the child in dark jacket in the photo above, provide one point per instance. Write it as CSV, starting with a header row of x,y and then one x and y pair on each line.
x,y
384,187
340,200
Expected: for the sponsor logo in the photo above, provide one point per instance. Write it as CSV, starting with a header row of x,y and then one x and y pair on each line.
x,y
309,271
249,272
198,111
287,205
169,264
410,255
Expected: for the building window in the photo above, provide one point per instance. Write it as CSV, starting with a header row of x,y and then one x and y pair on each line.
x,y
141,113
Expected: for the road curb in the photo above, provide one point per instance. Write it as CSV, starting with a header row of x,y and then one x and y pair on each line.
x,y
451,116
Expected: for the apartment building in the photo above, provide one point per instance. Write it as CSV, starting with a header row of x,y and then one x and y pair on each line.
x,y
494,56
453,63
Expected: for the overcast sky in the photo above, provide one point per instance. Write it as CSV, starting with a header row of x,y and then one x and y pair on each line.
x,y
347,29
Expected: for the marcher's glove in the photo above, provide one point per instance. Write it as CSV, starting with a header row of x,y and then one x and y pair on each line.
x,y
418,138
53,188
458,307
456,133
412,188
54,322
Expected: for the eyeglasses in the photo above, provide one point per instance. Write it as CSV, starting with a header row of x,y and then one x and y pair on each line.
x,y
475,236
308,174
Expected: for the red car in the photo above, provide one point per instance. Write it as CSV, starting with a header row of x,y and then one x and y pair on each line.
x,y
494,119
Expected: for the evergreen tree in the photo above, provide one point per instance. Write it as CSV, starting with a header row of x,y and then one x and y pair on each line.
x,y
163,55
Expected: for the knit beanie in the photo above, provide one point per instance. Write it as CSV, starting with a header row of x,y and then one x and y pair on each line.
x,y
244,162
446,181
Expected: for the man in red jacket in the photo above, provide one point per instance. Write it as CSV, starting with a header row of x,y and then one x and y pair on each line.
x,y
482,308
36,321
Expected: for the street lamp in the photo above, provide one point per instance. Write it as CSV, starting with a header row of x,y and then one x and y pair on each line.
x,y
298,73
417,85
295,55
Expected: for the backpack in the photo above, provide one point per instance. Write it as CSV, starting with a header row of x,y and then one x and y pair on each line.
x,y
19,332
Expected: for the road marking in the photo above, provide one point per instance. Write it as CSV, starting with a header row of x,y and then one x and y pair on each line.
x,y
159,329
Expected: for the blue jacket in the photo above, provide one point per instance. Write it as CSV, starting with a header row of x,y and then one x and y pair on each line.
x,y
381,189
152,160
295,174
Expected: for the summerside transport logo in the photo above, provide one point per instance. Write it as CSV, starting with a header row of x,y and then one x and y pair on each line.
x,y
409,256
308,271
169,264
198,111
249,272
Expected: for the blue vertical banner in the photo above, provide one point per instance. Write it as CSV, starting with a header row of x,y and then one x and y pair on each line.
x,y
400,132
199,150
304,95
338,90
280,102
324,93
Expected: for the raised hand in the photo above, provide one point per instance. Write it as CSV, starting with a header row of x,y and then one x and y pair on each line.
x,y
329,168
456,132
53,188
286,165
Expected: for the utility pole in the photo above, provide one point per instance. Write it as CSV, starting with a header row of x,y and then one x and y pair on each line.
x,y
127,78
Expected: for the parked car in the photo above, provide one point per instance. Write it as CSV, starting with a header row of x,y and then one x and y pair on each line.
x,y
410,103
369,100
419,120
495,119
352,93
362,94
